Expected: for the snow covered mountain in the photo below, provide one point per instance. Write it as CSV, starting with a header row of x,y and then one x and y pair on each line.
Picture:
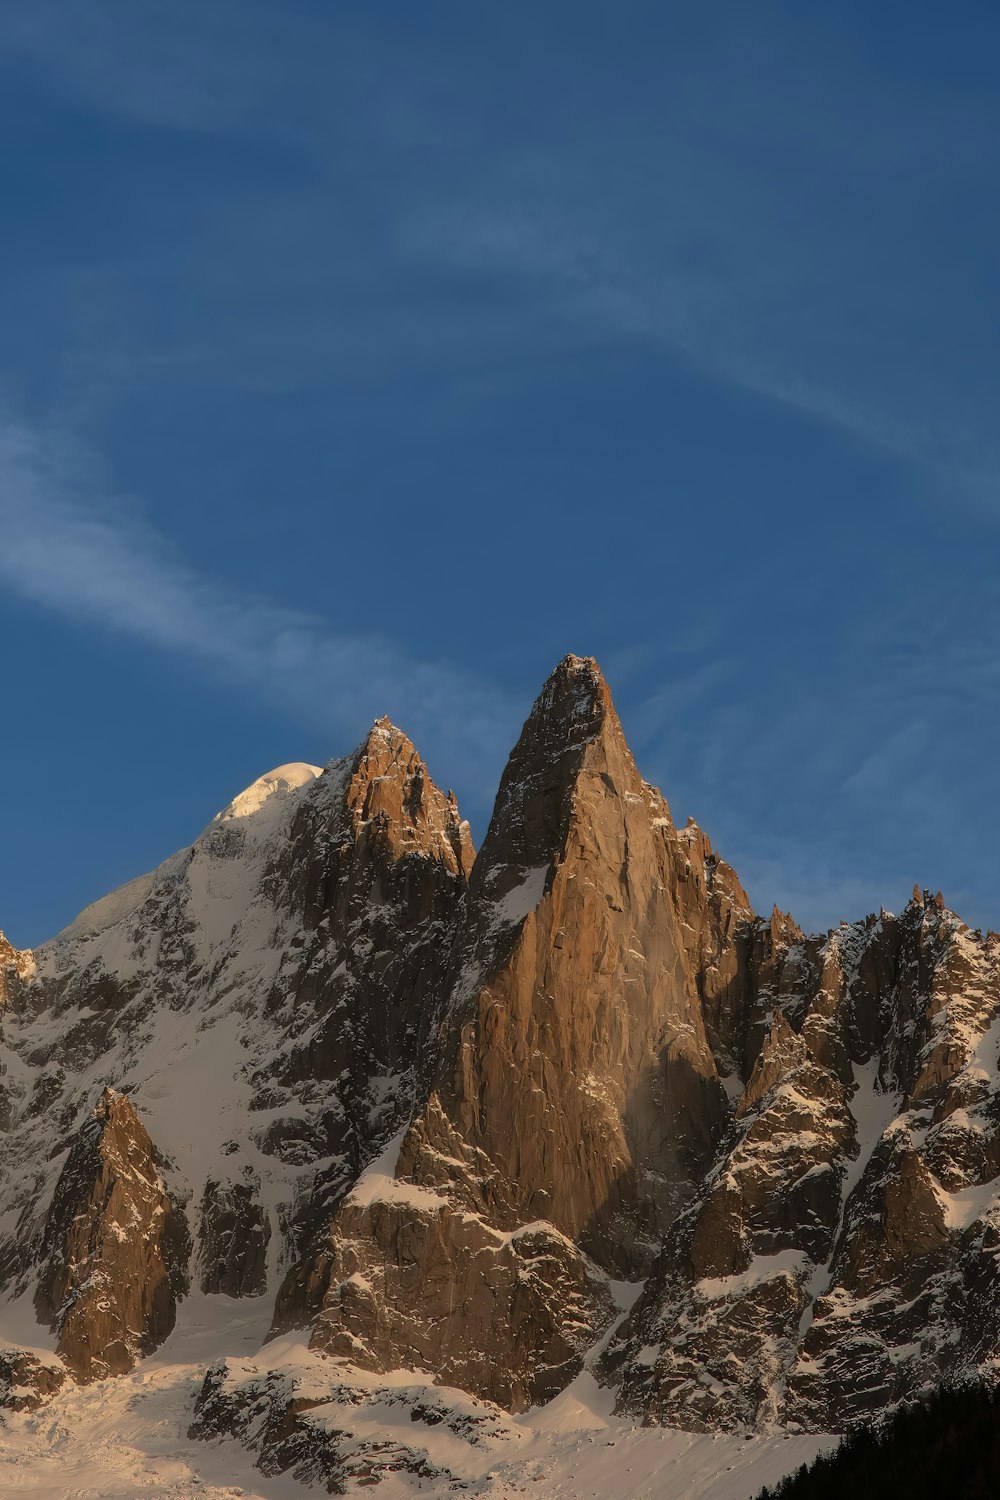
x,y
564,1129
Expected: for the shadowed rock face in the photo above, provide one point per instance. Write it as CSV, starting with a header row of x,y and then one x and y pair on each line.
x,y
313,1433
27,1382
842,1254
373,872
115,1248
233,1240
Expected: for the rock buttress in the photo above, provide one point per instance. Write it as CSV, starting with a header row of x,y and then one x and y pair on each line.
x,y
115,1248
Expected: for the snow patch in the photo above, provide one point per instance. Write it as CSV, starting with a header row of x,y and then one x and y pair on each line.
x,y
966,1206
379,1184
277,784
762,1268
525,897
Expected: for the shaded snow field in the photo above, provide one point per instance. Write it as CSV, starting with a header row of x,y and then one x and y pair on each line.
x,y
128,1436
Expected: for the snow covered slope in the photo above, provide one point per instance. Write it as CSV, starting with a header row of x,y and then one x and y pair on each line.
x,y
118,1439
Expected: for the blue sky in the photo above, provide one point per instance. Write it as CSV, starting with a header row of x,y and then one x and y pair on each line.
x,y
367,359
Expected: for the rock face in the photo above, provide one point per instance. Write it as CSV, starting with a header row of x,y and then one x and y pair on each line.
x,y
576,1100
436,1109
842,1256
293,1427
234,1239
418,1273
27,1382
580,1062
114,1250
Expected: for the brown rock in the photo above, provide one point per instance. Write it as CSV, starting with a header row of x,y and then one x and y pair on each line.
x,y
115,1248
27,1382
582,1066
578,1099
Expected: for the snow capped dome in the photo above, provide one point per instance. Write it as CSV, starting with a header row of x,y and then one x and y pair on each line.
x,y
260,809
280,782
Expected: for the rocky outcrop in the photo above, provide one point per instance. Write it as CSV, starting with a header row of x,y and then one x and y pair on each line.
x,y
27,1381
416,1271
8,967
720,933
13,967
336,1433
114,1250
828,1269
913,1293
233,1238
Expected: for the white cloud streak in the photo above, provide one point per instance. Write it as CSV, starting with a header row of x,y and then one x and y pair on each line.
x,y
696,229
95,560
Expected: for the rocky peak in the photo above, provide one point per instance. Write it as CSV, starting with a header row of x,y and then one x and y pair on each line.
x,y
535,798
390,796
584,1064
114,1250
8,967
16,965
368,813
577,1094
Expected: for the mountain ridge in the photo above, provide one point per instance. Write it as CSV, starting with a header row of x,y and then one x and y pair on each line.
x,y
435,1107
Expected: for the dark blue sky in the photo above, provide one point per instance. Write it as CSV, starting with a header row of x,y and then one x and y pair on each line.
x,y
363,359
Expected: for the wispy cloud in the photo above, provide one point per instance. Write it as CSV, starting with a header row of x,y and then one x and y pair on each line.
x,y
180,66
96,560
753,320
783,266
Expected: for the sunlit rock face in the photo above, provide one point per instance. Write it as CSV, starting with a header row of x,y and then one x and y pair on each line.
x,y
577,1101
114,1251
432,1109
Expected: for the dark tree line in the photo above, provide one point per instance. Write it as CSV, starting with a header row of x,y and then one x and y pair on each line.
x,y
946,1449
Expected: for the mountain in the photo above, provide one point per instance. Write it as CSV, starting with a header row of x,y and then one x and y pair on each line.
x,y
559,1127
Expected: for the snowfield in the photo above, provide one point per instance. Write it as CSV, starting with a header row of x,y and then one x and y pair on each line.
x,y
128,1437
